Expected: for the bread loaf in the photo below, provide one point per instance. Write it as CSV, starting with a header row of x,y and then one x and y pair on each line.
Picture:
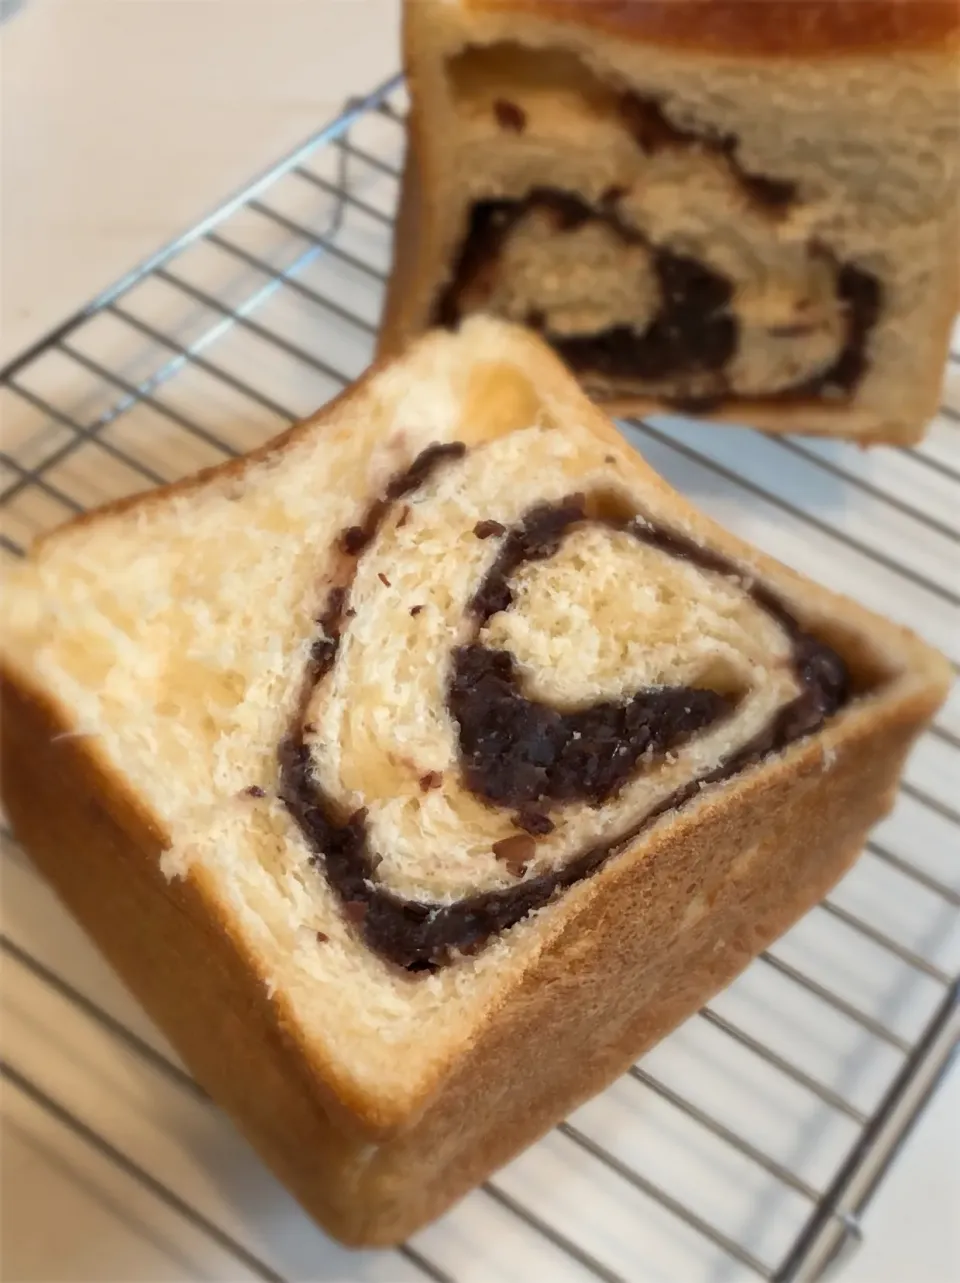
x,y
742,208
421,769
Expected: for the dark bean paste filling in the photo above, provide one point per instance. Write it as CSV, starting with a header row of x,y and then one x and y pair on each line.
x,y
518,752
695,332
524,755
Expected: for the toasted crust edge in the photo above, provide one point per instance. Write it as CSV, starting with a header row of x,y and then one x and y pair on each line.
x,y
771,28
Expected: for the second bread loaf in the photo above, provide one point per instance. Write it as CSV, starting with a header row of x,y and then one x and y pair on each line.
x,y
741,208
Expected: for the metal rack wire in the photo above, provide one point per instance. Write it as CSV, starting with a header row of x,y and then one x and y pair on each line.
x,y
745,1146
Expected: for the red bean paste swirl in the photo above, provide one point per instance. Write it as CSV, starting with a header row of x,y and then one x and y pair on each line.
x,y
522,754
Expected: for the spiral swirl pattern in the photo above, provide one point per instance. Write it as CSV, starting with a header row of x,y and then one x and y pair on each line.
x,y
511,679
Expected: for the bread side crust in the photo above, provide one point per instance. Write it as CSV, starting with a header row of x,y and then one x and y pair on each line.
x,y
403,304
173,948
771,28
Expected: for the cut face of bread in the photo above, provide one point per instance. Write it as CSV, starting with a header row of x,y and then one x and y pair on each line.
x,y
765,237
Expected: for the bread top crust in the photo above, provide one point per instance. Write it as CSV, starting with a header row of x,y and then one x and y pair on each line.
x,y
770,28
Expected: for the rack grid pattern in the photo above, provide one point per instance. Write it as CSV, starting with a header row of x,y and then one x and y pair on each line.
x,y
747,1145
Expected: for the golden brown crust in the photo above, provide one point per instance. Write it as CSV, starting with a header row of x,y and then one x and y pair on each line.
x,y
403,273
806,418
770,28
165,940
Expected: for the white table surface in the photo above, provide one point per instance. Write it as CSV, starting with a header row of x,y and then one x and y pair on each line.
x,y
122,122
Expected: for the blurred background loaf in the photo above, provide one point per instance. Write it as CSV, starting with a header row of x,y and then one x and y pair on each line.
x,y
751,219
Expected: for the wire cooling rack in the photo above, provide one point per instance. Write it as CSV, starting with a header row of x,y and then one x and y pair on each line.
x,y
744,1146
